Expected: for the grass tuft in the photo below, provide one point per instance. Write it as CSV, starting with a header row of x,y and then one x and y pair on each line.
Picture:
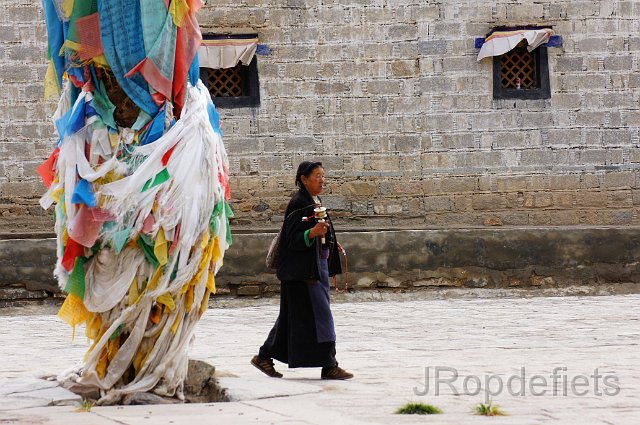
x,y
86,405
489,410
418,409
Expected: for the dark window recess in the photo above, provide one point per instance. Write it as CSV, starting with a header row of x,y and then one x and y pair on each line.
x,y
236,87
520,74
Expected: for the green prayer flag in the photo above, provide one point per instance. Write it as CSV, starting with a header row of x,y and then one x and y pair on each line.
x,y
120,239
75,284
160,178
229,214
146,186
141,121
147,249
116,333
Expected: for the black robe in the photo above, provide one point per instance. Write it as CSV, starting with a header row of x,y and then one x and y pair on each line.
x,y
304,335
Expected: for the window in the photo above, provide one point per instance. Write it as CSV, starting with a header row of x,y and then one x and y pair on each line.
x,y
235,87
229,69
520,74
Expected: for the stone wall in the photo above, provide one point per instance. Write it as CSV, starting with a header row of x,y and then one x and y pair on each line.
x,y
388,94
440,259
26,130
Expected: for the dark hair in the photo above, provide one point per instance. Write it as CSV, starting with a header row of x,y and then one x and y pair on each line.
x,y
305,169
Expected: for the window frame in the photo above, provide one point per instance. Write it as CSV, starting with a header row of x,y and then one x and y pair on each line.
x,y
251,83
543,87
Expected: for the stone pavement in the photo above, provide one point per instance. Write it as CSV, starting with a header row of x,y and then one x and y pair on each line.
x,y
388,345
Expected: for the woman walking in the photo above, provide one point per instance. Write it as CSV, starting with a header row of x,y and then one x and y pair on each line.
x,y
304,334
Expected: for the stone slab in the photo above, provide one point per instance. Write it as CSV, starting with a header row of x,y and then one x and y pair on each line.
x,y
387,345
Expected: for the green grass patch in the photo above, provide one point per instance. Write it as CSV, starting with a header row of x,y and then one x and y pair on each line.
x,y
489,409
86,406
418,409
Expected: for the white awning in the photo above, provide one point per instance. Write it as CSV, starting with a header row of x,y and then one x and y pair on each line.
x,y
227,51
501,42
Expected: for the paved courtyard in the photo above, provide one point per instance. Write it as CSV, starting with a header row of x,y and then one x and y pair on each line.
x,y
592,344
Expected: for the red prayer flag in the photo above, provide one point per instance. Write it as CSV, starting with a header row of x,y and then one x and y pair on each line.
x,y
71,252
47,169
167,155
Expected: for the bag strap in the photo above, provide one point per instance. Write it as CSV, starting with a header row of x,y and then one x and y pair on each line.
x,y
295,211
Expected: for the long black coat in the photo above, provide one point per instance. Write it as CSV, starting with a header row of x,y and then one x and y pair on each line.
x,y
297,261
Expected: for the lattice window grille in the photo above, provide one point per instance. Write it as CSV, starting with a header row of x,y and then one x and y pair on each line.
x,y
226,82
518,64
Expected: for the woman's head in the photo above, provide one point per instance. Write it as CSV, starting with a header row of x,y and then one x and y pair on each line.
x,y
310,175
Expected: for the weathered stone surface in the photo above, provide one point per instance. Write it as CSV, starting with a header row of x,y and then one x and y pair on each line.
x,y
147,398
28,263
249,290
201,385
495,257
34,392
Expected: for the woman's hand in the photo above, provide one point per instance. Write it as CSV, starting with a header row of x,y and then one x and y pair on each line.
x,y
320,229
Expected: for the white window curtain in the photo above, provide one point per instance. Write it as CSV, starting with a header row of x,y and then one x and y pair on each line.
x,y
501,42
219,53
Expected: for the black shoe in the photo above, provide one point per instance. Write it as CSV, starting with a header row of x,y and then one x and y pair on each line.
x,y
266,367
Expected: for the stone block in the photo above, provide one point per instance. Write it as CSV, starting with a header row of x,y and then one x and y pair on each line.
x,y
538,200
459,184
389,87
425,12
526,12
8,34
435,84
620,218
399,32
615,137
537,157
592,199
488,201
17,293
248,290
438,203
459,141
433,47
334,202
404,68
358,188
620,199
406,143
618,180
511,184
564,136
564,182
592,156
569,64
616,100
359,208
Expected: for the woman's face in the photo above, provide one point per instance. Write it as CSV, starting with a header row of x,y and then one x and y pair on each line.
x,y
315,182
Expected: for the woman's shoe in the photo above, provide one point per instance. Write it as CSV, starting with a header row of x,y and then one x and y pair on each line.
x,y
266,367
335,372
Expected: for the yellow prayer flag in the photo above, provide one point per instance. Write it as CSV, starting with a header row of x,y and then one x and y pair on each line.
x,y
51,85
178,9
56,195
134,293
73,312
176,323
101,367
161,247
211,283
167,300
153,282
